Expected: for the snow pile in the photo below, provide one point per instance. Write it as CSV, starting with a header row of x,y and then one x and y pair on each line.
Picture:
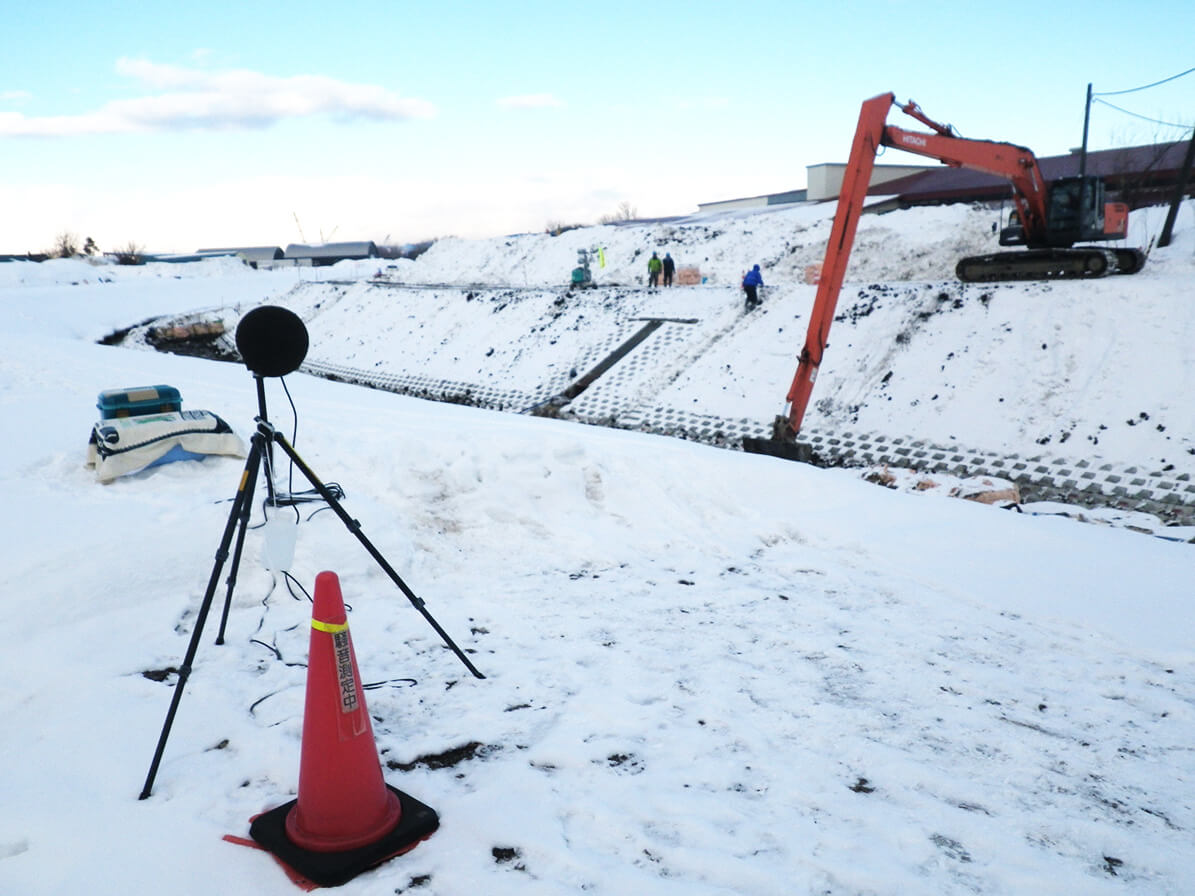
x,y
721,245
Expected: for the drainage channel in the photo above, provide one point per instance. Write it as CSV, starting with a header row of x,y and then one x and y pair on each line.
x,y
552,406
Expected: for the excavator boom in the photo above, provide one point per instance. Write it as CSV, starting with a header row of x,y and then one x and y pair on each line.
x,y
1050,219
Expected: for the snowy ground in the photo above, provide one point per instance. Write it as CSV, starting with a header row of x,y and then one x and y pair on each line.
x,y
706,672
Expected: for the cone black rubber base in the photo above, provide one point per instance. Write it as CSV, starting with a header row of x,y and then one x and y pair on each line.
x,y
331,869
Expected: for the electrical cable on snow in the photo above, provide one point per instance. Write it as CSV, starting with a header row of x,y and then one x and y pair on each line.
x,y
291,580
273,645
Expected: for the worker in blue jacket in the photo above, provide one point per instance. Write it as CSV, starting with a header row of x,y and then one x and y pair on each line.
x,y
751,283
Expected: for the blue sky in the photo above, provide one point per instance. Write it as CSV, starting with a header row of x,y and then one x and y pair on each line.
x,y
264,124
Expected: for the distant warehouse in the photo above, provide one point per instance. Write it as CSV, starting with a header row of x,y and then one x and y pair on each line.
x,y
254,256
329,253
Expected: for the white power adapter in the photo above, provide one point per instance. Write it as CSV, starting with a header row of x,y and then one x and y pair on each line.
x,y
278,549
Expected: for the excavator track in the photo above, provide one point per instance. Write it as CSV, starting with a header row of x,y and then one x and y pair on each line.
x,y
1049,264
1129,261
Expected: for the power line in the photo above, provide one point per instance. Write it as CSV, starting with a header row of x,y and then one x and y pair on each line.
x,y
1143,87
1169,124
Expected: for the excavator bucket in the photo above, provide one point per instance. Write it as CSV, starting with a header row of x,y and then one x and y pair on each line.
x,y
783,443
801,452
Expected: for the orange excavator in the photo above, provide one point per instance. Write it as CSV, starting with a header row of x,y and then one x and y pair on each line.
x,y
1049,219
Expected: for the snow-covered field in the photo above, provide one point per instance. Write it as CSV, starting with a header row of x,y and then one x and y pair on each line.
x,y
706,672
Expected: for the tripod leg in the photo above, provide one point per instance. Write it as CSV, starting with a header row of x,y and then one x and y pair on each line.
x,y
243,498
355,528
263,418
246,511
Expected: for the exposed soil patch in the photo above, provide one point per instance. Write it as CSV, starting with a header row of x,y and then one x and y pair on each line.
x,y
472,750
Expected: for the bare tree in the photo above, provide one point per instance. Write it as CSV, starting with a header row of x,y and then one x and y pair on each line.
x,y
626,212
130,254
66,245
1135,174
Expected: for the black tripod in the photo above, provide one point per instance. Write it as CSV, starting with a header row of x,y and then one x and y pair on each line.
x,y
262,444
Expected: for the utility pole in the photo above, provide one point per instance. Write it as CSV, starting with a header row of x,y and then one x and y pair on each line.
x,y
1083,157
1086,122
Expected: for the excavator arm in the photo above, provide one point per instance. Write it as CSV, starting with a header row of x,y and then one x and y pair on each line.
x,y
1030,195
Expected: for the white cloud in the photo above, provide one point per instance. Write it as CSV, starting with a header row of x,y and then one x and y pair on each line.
x,y
530,101
193,98
15,96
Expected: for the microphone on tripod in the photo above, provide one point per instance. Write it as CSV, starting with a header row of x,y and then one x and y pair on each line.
x,y
272,341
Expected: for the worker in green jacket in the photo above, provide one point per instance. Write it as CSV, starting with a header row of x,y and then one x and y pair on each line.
x,y
654,266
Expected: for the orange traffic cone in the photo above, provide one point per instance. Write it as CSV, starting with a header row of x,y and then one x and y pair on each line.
x,y
346,818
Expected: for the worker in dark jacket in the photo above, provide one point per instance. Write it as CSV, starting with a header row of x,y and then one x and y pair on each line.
x,y
751,283
669,269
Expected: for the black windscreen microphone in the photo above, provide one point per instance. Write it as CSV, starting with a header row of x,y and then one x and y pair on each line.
x,y
272,340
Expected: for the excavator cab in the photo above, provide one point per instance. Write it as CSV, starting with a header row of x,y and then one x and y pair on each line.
x,y
1075,213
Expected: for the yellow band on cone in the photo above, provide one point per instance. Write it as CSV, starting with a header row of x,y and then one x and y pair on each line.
x,y
330,627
